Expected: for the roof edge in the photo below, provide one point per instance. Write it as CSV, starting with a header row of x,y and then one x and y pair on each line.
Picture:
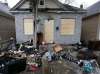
x,y
17,5
63,6
85,17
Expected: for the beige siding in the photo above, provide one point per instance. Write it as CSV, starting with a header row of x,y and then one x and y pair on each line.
x,y
90,28
7,27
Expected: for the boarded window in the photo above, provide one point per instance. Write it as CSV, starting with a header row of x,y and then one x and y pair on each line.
x,y
67,26
28,26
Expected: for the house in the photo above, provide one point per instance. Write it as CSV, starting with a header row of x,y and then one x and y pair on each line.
x,y
7,22
91,23
57,22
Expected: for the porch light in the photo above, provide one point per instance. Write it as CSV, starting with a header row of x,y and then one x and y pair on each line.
x,y
57,28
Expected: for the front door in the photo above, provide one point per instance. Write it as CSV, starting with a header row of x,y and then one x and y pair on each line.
x,y
49,31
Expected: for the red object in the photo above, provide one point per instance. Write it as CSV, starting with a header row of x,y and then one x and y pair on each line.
x,y
33,68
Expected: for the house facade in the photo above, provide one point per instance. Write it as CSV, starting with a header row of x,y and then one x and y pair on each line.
x,y
57,22
91,23
7,22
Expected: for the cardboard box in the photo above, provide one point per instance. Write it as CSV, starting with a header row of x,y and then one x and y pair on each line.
x,y
57,48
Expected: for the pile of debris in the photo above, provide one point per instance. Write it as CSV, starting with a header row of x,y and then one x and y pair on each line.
x,y
11,65
52,58
85,60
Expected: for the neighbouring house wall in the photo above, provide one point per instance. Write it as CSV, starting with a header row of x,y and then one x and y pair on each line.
x,y
7,27
19,21
90,28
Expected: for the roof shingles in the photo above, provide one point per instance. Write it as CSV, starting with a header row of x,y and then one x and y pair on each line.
x,y
4,10
63,7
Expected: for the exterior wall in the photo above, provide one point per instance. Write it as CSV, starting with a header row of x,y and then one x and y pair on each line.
x,y
58,38
7,27
68,39
20,36
90,28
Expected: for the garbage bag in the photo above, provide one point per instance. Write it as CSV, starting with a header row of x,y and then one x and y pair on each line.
x,y
87,67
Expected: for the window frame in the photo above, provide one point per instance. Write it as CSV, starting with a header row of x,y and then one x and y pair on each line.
x,y
40,2
61,27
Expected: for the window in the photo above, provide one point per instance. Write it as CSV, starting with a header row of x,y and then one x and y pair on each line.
x,y
28,26
41,2
67,26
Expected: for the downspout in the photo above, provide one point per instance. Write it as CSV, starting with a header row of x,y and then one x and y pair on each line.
x,y
98,28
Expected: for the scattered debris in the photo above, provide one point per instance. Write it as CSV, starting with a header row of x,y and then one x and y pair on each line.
x,y
73,59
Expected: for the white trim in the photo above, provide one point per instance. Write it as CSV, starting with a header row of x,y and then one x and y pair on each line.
x,y
67,11
20,12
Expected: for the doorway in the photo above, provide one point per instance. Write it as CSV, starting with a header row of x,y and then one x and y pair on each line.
x,y
39,38
49,31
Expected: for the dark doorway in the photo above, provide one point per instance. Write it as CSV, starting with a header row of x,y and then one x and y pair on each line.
x,y
39,38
